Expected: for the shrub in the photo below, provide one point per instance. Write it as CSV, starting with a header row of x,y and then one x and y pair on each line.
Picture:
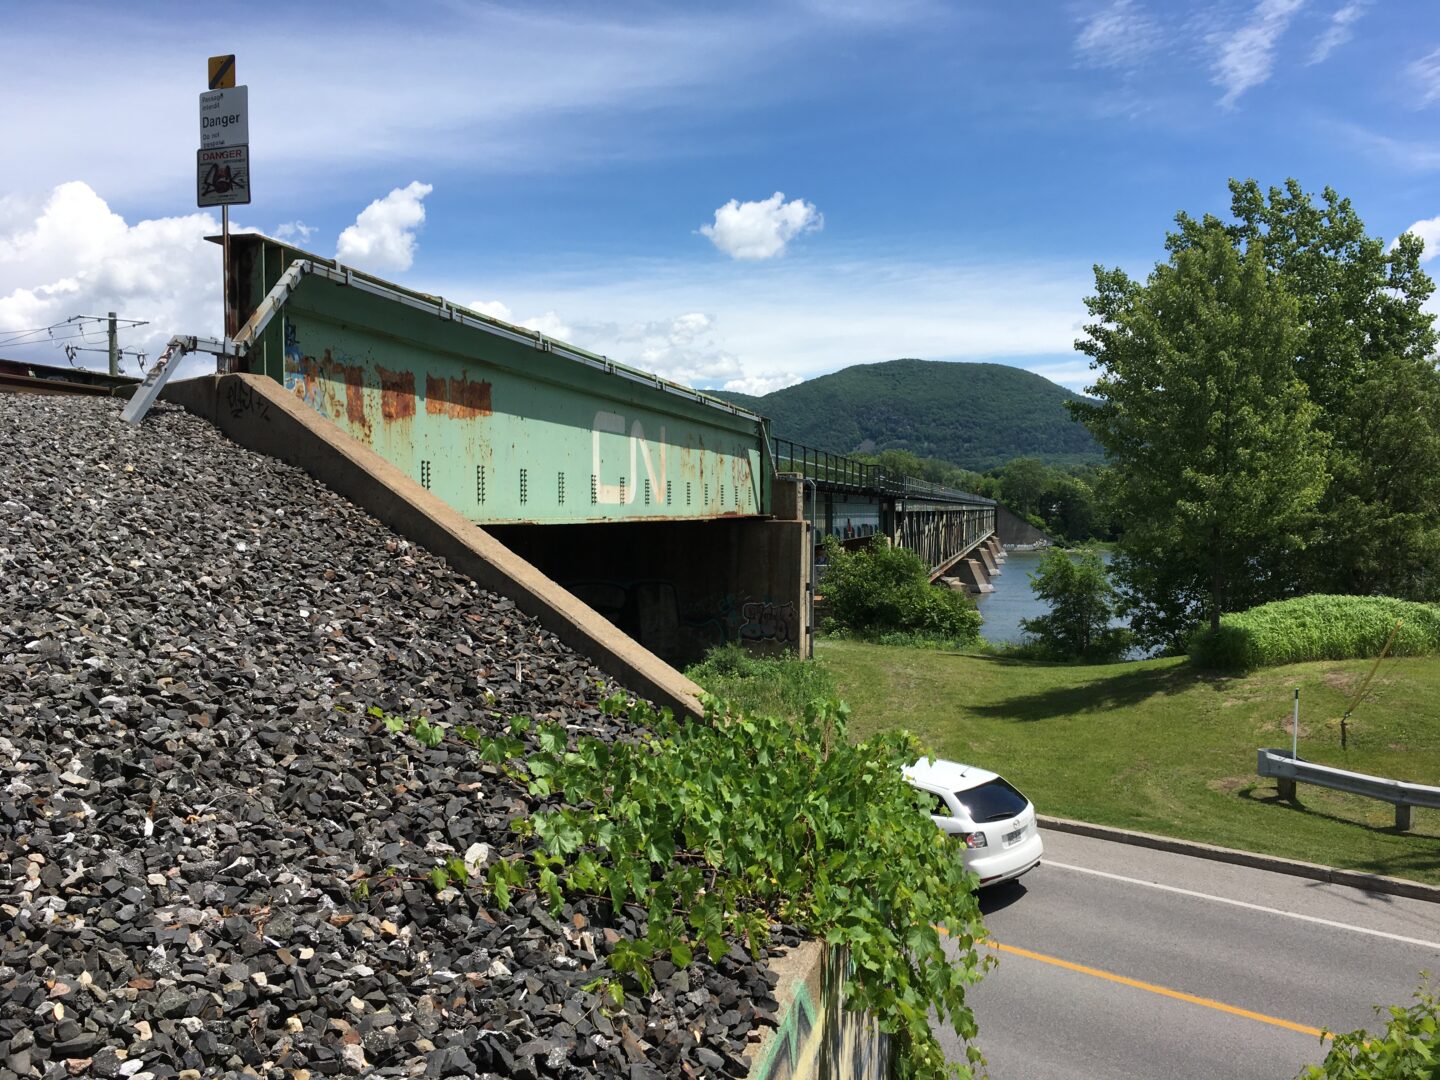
x,y
1082,606
1316,628
1409,1049
881,590
781,685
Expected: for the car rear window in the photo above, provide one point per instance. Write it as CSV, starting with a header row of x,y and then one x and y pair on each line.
x,y
992,801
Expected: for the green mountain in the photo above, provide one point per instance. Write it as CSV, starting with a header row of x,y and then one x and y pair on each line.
x,y
978,416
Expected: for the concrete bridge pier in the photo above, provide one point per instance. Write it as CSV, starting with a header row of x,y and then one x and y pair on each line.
x,y
974,575
987,558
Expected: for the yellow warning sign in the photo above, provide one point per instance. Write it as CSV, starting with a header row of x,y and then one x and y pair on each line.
x,y
222,72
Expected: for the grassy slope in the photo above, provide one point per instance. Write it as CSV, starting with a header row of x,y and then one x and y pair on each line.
x,y
1156,747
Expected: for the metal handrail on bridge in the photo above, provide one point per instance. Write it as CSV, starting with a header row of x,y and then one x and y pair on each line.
x,y
825,467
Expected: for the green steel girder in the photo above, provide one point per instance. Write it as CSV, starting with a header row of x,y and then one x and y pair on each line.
x,y
502,423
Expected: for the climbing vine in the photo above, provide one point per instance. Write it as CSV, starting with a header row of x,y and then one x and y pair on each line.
x,y
719,829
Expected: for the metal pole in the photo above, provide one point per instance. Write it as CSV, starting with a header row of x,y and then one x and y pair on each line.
x,y
225,280
1295,729
114,347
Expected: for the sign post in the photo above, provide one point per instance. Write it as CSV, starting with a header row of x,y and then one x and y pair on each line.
x,y
222,172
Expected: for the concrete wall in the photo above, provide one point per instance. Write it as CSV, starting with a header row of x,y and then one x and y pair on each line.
x,y
260,415
817,1038
680,588
1011,528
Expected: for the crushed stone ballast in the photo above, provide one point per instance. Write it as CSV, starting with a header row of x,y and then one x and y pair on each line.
x,y
190,788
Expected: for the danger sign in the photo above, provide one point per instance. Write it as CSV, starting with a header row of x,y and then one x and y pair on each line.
x,y
222,176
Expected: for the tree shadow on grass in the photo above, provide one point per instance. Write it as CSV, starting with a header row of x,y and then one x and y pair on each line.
x,y
1118,691
1401,864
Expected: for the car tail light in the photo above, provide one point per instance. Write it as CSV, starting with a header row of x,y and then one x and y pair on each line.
x,y
974,839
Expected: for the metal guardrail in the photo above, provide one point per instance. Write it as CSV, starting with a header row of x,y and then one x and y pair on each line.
x,y
842,471
1289,771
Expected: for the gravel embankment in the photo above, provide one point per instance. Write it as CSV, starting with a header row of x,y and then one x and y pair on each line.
x,y
190,789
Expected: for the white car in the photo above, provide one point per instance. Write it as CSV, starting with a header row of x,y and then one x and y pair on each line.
x,y
984,813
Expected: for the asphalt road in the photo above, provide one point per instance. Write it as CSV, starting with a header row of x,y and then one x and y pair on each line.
x,y
1117,961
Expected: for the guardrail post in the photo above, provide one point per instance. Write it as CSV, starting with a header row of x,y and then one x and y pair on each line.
x,y
1286,787
1402,817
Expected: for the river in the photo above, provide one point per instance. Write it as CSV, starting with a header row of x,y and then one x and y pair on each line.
x,y
1013,598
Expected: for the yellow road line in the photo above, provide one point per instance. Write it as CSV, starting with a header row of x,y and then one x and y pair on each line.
x,y
1178,995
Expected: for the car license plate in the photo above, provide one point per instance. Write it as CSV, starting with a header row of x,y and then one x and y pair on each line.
x,y
1014,837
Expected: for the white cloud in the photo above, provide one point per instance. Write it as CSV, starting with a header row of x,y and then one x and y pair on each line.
x,y
683,348
550,323
760,385
1072,374
761,230
1425,75
1120,35
1409,155
756,327
1428,230
297,231
494,308
383,236
1245,56
70,254
1339,31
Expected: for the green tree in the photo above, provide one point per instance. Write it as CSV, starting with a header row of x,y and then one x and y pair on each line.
x,y
1023,482
1215,467
1082,606
1366,356
880,590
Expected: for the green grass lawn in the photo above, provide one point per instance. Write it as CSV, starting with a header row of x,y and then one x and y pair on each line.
x,y
1153,745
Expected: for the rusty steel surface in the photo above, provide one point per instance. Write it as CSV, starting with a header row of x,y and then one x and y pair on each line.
x,y
505,425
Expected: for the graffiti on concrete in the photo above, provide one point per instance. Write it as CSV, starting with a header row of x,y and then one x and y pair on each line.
x,y
765,620
789,1049
242,398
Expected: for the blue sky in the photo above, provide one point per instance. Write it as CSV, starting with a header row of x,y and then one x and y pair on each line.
x,y
608,173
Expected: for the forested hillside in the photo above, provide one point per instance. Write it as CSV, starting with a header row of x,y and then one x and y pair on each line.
x,y
978,416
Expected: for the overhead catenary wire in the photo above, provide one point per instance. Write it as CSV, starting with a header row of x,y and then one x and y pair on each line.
x,y
74,327
79,333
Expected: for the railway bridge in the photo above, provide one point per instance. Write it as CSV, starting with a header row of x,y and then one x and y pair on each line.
x,y
673,513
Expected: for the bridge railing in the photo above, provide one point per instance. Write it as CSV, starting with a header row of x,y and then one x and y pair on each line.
x,y
825,467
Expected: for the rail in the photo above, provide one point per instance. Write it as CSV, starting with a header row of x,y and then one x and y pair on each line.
x,y
1288,771
846,472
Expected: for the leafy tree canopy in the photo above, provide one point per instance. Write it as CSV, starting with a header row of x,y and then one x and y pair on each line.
x,y
1366,354
1082,605
1216,463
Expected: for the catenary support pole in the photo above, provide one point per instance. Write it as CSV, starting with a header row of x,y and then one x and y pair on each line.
x,y
114,346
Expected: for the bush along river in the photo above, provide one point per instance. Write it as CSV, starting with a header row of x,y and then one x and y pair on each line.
x,y
1014,599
